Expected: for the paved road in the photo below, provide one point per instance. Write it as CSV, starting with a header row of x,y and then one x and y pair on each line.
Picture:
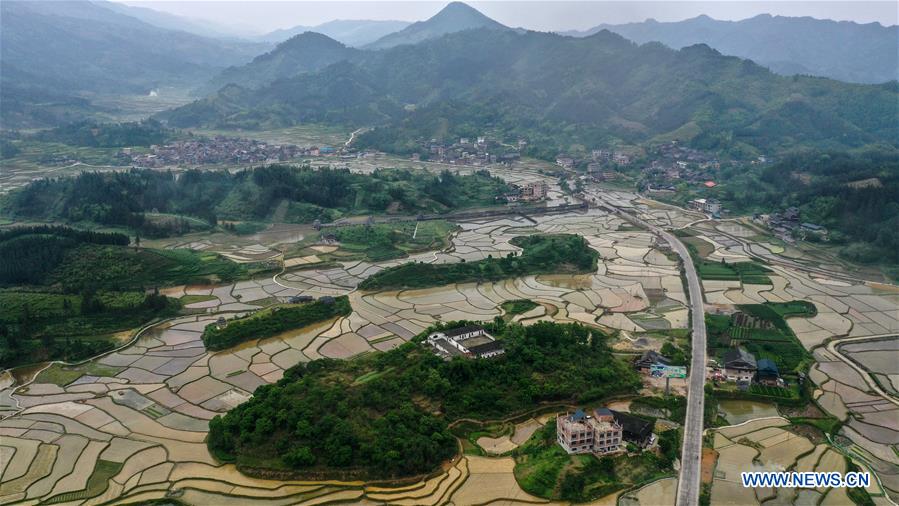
x,y
689,486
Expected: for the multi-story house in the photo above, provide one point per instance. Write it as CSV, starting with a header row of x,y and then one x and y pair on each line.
x,y
581,433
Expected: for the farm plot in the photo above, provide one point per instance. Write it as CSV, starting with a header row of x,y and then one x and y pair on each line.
x,y
130,425
764,445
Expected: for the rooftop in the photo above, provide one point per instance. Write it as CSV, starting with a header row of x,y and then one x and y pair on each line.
x,y
739,354
462,330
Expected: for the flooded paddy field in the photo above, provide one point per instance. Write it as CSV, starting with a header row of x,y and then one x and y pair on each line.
x,y
131,426
739,411
769,445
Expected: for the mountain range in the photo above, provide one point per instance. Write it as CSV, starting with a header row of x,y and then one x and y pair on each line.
x,y
843,50
562,89
353,33
54,55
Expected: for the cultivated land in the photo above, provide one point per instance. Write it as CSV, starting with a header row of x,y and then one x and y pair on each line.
x,y
130,425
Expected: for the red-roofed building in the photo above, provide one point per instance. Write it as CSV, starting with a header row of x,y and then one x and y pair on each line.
x,y
710,184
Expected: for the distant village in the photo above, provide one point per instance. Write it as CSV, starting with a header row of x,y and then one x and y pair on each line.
x,y
478,151
671,164
219,150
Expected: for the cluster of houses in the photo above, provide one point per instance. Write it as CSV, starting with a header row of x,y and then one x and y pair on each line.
x,y
219,149
788,224
738,366
674,163
603,432
680,156
478,151
741,367
600,166
470,341
534,191
302,299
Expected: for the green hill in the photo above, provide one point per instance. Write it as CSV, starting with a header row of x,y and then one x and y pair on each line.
x,y
386,415
559,90
125,199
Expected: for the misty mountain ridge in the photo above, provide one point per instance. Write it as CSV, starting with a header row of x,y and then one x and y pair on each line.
x,y
539,84
313,50
73,49
353,33
843,50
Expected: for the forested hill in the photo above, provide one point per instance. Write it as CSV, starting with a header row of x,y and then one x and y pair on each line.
x,y
560,90
305,52
128,199
855,196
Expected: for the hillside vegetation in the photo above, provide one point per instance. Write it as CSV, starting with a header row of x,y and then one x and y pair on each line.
x,y
855,196
541,254
125,198
273,321
65,293
107,135
73,260
319,420
558,91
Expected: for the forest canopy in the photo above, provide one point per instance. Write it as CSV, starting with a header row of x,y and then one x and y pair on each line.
x,y
541,254
130,198
273,321
855,196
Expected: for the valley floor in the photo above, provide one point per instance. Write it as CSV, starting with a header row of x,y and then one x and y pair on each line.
x,y
130,425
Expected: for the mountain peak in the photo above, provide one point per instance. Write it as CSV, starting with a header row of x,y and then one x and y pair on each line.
x,y
456,8
461,12
454,17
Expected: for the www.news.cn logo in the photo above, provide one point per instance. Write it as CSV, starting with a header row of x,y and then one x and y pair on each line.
x,y
805,480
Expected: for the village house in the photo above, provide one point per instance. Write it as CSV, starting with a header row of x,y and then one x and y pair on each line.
x,y
533,191
470,341
644,362
564,161
739,365
634,429
601,155
621,159
813,229
767,373
710,206
580,433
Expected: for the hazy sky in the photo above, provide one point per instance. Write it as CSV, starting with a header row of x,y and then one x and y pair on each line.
x,y
544,15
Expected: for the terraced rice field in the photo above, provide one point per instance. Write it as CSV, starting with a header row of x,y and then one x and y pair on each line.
x,y
766,445
857,381
131,426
